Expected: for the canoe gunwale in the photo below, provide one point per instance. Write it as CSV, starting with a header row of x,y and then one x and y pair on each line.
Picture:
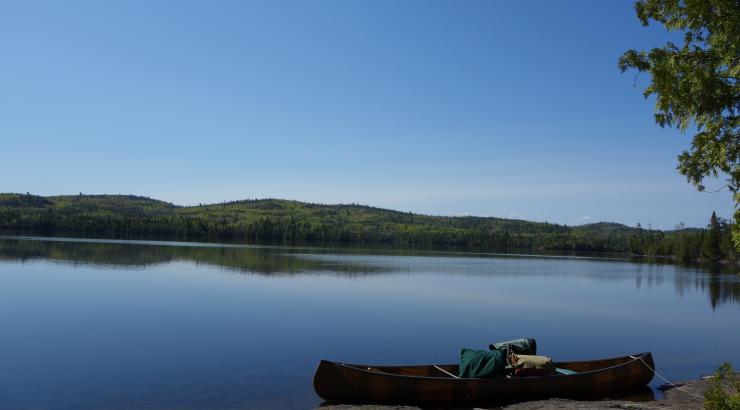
x,y
629,359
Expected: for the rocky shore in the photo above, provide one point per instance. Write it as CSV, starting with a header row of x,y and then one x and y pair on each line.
x,y
689,396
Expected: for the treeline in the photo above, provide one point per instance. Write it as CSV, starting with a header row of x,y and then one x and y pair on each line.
x,y
712,244
272,220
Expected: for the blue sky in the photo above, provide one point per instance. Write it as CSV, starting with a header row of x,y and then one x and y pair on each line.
x,y
510,109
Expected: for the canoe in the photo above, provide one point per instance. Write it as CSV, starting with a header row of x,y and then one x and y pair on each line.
x,y
438,385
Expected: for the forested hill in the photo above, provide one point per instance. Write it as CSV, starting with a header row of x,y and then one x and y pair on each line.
x,y
270,220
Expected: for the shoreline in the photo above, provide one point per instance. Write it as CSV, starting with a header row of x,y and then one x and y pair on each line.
x,y
278,221
684,397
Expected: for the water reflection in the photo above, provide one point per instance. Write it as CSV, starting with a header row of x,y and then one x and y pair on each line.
x,y
121,324
719,283
721,288
138,254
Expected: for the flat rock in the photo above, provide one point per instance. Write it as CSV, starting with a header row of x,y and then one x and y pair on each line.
x,y
689,395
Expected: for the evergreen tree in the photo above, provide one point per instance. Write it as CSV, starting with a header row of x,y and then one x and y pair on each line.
x,y
636,243
711,241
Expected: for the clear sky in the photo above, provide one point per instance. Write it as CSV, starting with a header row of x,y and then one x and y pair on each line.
x,y
492,108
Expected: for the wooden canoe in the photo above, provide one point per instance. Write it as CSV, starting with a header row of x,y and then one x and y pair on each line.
x,y
435,385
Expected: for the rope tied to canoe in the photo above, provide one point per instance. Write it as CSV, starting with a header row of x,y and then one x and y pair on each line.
x,y
446,372
673,385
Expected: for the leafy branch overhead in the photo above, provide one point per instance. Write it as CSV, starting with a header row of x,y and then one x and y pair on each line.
x,y
696,84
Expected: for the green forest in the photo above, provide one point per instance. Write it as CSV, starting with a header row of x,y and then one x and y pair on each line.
x,y
283,221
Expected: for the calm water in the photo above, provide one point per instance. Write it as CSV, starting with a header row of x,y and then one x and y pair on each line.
x,y
126,324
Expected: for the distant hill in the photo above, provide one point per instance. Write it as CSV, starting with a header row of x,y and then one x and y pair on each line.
x,y
270,220
606,228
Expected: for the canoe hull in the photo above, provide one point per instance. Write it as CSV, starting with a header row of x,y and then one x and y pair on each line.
x,y
338,382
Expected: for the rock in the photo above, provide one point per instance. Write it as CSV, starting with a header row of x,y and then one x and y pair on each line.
x,y
689,395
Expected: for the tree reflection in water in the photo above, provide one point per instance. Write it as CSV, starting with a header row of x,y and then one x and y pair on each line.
x,y
720,283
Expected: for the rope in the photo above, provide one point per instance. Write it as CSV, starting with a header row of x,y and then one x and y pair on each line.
x,y
446,372
666,380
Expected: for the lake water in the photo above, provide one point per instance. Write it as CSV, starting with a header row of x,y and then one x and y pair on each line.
x,y
132,324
